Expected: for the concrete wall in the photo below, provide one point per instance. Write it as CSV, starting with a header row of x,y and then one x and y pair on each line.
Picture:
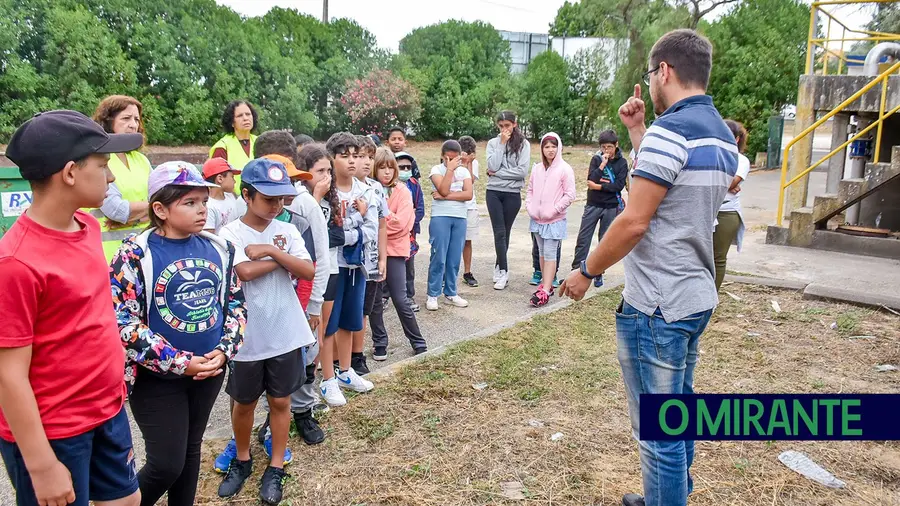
x,y
830,91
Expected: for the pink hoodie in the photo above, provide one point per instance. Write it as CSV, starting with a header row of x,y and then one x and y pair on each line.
x,y
552,190
400,222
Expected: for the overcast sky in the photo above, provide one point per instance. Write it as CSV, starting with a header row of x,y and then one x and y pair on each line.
x,y
392,20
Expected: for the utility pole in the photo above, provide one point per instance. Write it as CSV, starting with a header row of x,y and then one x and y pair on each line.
x,y
325,11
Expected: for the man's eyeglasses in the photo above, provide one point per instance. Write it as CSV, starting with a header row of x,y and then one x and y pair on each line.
x,y
652,71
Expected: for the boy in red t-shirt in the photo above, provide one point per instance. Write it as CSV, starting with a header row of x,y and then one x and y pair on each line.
x,y
64,433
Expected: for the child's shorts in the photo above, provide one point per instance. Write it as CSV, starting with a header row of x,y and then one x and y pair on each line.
x,y
331,289
101,462
548,245
277,376
471,224
350,293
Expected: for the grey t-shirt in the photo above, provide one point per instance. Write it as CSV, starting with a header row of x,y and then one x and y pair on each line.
x,y
691,151
276,323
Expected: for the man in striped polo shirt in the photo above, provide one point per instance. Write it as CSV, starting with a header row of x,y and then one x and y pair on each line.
x,y
685,162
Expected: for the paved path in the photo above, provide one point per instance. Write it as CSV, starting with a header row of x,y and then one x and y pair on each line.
x,y
489,307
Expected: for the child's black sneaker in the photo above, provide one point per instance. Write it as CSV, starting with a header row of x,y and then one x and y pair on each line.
x,y
271,487
419,351
598,281
308,427
238,472
263,429
358,363
470,279
413,306
380,354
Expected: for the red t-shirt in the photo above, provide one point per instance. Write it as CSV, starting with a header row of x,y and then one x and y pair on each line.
x,y
55,296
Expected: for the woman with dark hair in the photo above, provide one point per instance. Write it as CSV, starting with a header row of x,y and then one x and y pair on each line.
x,y
125,209
238,121
508,157
730,221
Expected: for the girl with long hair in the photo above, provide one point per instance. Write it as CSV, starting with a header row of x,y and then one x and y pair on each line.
x,y
508,157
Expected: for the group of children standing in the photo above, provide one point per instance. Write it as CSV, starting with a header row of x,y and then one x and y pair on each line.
x,y
267,286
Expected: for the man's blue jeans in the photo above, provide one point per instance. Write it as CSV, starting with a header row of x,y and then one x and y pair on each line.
x,y
659,358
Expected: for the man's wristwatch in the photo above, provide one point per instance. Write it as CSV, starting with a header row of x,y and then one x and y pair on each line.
x,y
584,271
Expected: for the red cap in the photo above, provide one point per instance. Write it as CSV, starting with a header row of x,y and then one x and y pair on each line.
x,y
216,166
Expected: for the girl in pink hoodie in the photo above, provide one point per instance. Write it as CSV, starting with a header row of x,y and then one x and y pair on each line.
x,y
551,190
399,225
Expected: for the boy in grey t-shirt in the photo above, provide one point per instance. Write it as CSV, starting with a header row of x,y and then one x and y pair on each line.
x,y
271,358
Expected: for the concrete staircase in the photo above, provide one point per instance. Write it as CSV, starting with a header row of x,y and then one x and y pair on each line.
x,y
809,224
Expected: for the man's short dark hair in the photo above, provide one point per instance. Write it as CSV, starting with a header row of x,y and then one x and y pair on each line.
x,y
608,137
275,142
303,139
340,143
686,51
397,129
467,143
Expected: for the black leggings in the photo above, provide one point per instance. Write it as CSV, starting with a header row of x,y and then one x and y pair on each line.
x,y
502,208
172,415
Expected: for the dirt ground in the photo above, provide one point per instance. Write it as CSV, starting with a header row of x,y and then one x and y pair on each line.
x,y
474,426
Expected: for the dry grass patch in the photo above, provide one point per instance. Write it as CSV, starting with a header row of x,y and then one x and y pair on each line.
x,y
428,437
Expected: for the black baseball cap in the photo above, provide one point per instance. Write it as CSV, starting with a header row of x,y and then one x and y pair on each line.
x,y
44,144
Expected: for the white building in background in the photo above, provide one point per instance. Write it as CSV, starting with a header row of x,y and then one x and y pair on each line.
x,y
525,46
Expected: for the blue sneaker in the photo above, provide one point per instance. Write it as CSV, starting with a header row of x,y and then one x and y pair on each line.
x,y
288,456
598,281
224,458
536,278
556,283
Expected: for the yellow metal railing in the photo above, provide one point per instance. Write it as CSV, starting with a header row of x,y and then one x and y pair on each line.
x,y
882,115
826,45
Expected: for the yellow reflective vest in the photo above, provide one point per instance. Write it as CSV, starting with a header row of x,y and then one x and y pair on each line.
x,y
237,157
132,182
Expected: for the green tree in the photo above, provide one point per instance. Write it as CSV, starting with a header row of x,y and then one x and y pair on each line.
x,y
589,80
758,56
462,71
547,103
639,22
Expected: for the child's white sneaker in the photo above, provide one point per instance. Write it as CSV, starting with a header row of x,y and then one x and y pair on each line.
x,y
331,393
431,304
457,301
352,381
496,273
502,281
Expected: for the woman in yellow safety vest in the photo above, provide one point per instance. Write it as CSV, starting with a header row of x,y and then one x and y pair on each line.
x,y
125,209
238,120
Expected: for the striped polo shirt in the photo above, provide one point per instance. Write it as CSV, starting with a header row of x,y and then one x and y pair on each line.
x,y
690,151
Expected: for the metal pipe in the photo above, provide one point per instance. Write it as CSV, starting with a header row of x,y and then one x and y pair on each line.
x,y
857,170
870,67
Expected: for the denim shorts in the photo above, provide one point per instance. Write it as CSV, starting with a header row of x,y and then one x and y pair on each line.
x,y
101,462
350,293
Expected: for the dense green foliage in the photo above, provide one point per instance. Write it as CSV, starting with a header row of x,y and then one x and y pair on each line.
x,y
186,59
758,57
758,50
